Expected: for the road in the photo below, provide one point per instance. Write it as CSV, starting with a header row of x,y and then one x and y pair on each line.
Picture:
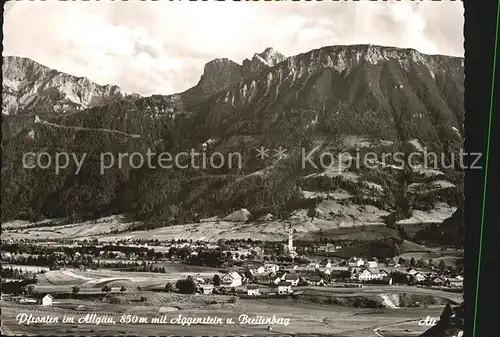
x,y
82,128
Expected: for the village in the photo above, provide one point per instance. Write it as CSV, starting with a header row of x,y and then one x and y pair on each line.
x,y
244,269
309,283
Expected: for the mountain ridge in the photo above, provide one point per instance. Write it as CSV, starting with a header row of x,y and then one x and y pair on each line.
x,y
269,54
372,94
27,84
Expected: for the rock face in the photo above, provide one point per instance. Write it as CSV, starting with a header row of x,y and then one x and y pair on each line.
x,y
260,62
220,74
379,97
363,90
29,85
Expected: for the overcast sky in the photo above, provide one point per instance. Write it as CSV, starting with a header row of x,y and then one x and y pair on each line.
x,y
161,47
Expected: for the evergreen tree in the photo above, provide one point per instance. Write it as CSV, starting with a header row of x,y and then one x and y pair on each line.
x,y
446,315
216,280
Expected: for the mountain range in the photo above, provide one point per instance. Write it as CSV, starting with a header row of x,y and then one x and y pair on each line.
x,y
337,99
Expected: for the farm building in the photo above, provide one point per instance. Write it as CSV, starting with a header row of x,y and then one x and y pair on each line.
x,y
292,278
47,300
284,288
207,289
253,290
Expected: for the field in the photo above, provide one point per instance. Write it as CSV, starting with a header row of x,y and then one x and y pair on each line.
x,y
304,319
55,229
334,219
309,313
378,290
206,231
92,281
449,256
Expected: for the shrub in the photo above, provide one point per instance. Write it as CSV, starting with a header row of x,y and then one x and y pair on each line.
x,y
168,287
186,286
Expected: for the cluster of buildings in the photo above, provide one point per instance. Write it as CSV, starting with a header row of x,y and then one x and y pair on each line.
x,y
436,279
354,270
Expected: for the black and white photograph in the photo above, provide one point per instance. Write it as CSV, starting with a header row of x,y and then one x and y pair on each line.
x,y
222,168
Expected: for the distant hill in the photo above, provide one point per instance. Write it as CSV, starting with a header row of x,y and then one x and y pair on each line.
x,y
381,249
29,87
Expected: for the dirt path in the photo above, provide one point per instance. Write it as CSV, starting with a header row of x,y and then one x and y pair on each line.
x,y
376,331
81,128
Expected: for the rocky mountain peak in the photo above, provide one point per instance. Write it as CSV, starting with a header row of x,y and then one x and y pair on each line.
x,y
222,73
28,85
271,56
261,61
219,63
219,74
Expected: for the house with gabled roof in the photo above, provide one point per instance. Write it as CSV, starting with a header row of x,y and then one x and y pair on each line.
x,y
419,277
232,279
439,280
368,274
47,300
356,262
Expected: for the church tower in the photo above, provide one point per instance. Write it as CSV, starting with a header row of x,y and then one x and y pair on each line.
x,y
290,247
